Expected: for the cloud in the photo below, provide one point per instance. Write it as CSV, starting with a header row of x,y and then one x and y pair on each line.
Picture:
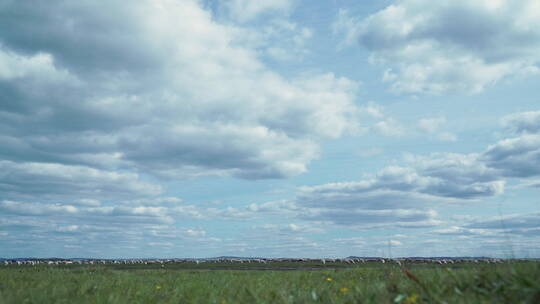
x,y
45,181
402,196
518,221
17,208
281,207
459,175
157,87
276,39
388,127
374,110
375,120
39,66
247,10
195,232
406,196
523,122
438,177
109,214
373,218
170,200
289,229
347,26
431,125
517,156
508,230
437,47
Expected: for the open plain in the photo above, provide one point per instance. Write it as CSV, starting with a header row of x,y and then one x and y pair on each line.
x,y
270,281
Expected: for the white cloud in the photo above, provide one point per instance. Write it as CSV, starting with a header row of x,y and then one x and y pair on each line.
x,y
289,229
68,229
195,232
515,157
283,40
157,201
443,46
523,122
58,181
431,125
199,99
276,39
499,227
88,202
388,127
281,206
79,215
347,26
247,10
402,196
40,66
373,109
12,207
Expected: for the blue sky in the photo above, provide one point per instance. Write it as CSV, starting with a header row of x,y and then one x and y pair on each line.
x,y
191,128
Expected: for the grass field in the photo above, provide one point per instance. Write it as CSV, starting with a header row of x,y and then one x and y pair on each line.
x,y
513,282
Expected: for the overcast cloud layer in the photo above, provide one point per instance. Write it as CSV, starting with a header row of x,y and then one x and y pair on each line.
x,y
239,127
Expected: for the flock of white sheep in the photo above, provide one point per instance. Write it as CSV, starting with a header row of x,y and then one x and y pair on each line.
x,y
323,261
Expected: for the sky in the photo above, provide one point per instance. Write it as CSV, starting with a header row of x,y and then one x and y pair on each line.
x,y
275,128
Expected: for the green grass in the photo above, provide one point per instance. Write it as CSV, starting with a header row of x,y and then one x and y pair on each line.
x,y
517,282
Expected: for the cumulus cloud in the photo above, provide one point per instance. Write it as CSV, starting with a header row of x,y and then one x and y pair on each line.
x,y
405,195
158,87
436,178
517,156
402,196
58,181
459,175
523,122
446,46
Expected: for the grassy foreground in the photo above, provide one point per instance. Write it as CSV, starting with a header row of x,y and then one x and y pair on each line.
x,y
487,283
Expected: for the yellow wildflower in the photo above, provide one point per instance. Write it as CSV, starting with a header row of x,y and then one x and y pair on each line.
x,y
344,289
411,299
329,279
